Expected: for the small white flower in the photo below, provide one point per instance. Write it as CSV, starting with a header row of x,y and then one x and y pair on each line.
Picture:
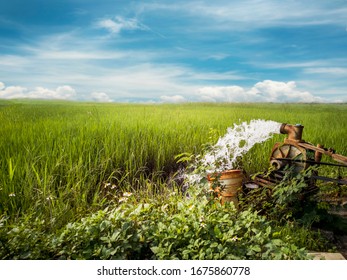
x,y
127,194
172,194
12,194
123,199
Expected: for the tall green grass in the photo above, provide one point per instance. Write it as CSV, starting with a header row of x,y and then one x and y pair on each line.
x,y
62,160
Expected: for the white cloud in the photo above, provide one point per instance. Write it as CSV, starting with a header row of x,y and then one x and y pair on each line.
x,y
254,14
265,91
11,92
223,94
143,80
100,97
273,91
173,99
119,23
65,92
110,25
335,71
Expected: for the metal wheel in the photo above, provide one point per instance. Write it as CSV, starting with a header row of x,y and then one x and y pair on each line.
x,y
290,152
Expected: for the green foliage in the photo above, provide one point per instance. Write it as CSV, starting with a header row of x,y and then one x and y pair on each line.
x,y
285,200
291,210
218,233
303,236
174,228
103,235
25,240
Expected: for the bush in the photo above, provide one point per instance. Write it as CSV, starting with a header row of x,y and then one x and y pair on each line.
x,y
219,233
174,228
25,240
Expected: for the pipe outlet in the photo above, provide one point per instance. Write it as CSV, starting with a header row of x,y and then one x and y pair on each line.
x,y
294,132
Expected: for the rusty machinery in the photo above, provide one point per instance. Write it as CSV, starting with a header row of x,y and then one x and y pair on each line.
x,y
294,152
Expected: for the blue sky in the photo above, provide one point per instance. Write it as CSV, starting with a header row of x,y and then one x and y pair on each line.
x,y
174,51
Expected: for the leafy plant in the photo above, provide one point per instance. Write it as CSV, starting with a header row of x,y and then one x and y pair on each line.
x,y
174,228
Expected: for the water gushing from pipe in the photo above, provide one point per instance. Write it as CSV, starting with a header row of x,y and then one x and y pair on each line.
x,y
238,140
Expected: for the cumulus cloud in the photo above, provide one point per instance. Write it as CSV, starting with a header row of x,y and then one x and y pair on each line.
x,y
273,91
119,23
62,92
11,92
65,92
100,97
223,94
172,99
265,91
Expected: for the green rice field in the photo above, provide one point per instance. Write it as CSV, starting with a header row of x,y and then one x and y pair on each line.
x,y
63,161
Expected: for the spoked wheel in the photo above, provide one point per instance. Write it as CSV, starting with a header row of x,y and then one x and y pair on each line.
x,y
292,155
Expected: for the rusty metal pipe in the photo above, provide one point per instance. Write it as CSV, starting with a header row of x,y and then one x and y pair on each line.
x,y
294,132
277,164
317,154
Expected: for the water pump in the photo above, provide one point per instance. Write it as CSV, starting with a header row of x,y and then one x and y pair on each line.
x,y
297,153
